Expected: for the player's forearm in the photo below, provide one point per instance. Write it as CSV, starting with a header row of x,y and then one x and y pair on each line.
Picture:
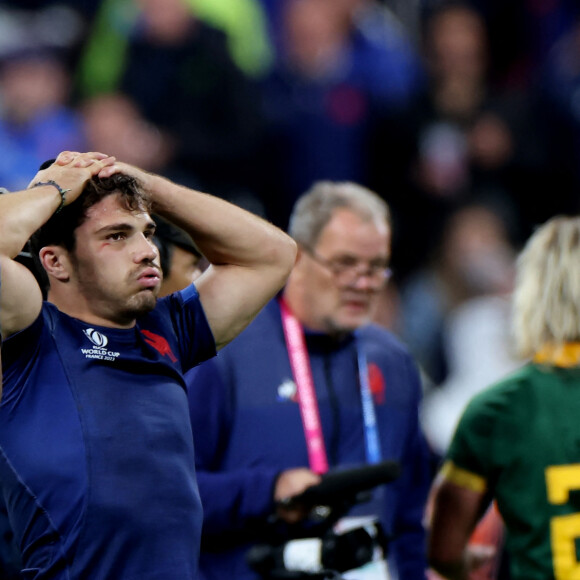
x,y
22,213
224,232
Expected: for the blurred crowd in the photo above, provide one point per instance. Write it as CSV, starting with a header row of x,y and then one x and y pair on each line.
x,y
464,116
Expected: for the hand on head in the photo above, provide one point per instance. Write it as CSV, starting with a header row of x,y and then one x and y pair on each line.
x,y
71,170
76,159
97,163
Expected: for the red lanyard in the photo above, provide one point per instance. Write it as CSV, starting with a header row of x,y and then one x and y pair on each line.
x,y
302,372
300,364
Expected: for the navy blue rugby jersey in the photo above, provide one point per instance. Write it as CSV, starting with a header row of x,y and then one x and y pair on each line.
x,y
96,450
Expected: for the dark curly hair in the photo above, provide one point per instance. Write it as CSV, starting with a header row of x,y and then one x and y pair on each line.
x,y
60,229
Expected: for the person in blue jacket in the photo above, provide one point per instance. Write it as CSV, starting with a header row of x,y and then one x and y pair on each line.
x,y
360,394
96,453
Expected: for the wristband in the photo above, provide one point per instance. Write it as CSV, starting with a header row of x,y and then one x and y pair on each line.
x,y
60,190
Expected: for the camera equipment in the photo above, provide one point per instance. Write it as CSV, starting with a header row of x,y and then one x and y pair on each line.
x,y
319,549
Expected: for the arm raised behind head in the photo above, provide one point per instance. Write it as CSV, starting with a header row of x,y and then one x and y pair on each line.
x,y
21,214
250,258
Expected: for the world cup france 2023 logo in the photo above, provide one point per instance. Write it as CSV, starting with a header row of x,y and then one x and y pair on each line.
x,y
98,339
99,350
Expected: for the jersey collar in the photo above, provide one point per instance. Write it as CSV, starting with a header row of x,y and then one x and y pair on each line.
x,y
566,355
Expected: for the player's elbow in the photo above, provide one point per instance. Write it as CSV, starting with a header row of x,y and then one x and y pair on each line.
x,y
283,257
290,251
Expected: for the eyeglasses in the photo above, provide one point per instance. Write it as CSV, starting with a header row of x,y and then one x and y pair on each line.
x,y
348,270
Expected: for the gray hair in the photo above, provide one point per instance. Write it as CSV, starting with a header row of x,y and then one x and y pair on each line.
x,y
546,297
316,207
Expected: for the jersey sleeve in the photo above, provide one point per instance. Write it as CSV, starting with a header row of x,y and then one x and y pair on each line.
x,y
196,341
19,354
474,453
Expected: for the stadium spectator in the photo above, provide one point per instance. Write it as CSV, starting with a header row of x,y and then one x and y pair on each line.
x,y
335,72
36,119
462,138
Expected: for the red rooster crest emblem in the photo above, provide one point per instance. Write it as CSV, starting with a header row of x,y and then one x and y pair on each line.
x,y
376,383
159,343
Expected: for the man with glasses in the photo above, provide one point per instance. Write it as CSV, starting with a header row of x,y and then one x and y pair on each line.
x,y
312,353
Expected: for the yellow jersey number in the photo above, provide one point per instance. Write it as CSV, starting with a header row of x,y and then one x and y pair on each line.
x,y
564,530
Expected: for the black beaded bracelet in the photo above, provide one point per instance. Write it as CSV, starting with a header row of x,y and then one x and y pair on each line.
x,y
59,189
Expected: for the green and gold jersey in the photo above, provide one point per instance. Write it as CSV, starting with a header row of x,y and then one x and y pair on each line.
x,y
520,441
